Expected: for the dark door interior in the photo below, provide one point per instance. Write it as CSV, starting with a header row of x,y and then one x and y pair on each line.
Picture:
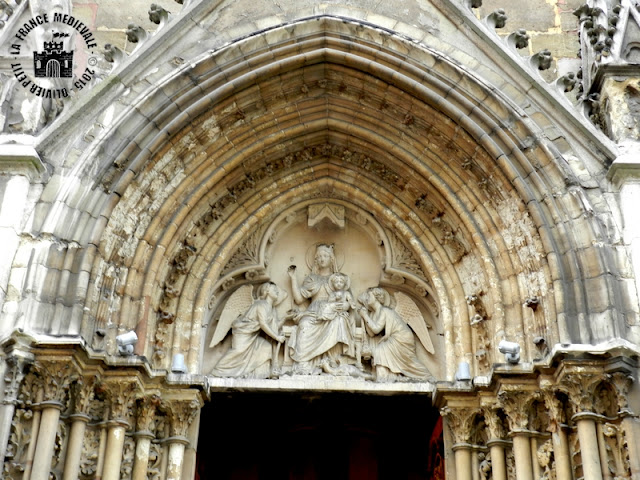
x,y
332,436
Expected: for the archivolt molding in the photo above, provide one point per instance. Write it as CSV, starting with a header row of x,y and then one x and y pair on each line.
x,y
185,164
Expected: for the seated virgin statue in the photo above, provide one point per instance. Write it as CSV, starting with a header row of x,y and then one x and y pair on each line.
x,y
324,332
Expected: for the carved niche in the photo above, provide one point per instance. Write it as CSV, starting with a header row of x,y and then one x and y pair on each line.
x,y
323,290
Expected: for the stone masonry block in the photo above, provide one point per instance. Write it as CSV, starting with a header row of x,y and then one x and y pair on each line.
x,y
559,45
597,293
537,16
629,294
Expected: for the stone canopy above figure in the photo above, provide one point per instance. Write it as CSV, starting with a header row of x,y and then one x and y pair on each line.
x,y
328,330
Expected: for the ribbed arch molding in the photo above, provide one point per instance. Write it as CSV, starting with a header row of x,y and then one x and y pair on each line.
x,y
231,139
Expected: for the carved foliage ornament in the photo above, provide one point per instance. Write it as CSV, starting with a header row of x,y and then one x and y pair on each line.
x,y
128,454
89,457
516,406
55,378
403,257
154,467
28,392
13,376
181,414
460,422
580,387
622,382
146,411
616,451
247,254
20,439
495,423
83,394
121,396
546,461
555,410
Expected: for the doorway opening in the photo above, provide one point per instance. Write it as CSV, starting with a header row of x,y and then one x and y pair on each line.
x,y
337,436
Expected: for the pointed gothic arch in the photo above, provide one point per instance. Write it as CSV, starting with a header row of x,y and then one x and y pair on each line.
x,y
470,167
429,129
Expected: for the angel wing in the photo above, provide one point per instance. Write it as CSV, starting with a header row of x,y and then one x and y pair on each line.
x,y
238,303
410,313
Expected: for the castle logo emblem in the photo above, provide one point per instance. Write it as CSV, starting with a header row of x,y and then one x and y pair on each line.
x,y
53,61
62,63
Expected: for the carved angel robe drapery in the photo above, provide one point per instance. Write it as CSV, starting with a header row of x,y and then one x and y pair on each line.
x,y
250,352
396,349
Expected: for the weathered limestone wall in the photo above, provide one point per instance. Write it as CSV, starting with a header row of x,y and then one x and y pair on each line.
x,y
550,24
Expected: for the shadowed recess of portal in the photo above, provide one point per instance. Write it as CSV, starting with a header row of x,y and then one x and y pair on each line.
x,y
330,436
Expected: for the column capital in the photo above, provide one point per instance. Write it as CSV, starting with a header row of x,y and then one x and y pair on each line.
x,y
580,387
516,403
182,412
83,392
495,422
555,409
121,394
55,377
460,421
622,381
13,375
147,407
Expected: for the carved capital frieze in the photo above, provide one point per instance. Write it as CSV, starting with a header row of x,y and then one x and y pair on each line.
x,y
460,422
516,405
121,395
622,383
495,422
83,392
580,387
181,414
55,377
13,375
146,411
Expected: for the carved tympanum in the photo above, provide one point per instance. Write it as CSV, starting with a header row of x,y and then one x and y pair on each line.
x,y
321,333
